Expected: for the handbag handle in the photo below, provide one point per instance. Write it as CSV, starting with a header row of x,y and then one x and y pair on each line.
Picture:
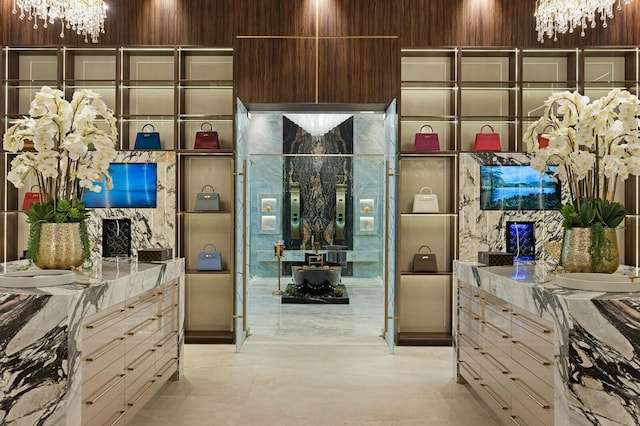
x,y
210,127
426,125
423,246
207,245
545,129
486,125
153,129
207,186
426,187
34,186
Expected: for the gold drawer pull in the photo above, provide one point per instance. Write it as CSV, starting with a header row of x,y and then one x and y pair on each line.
x,y
468,312
471,343
142,325
496,363
532,323
166,339
516,422
104,350
104,319
163,313
166,367
495,329
142,358
467,367
533,354
142,392
142,302
120,415
116,380
530,393
495,398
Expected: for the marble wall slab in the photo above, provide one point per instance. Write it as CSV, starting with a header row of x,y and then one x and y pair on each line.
x,y
150,227
484,230
263,142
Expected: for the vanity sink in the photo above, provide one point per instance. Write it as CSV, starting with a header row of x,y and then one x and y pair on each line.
x,y
37,278
614,283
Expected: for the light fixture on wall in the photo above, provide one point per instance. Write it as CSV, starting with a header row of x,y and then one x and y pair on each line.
x,y
86,17
560,16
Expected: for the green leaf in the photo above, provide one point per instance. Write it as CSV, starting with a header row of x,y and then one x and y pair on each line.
x,y
610,214
63,205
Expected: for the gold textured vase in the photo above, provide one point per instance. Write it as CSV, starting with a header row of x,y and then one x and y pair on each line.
x,y
60,246
577,255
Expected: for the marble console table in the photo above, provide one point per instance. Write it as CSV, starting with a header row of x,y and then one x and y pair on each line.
x,y
40,343
597,340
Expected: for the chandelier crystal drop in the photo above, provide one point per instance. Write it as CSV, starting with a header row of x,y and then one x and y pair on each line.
x,y
560,16
85,17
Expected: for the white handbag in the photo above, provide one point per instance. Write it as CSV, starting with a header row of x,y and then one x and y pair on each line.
x,y
425,203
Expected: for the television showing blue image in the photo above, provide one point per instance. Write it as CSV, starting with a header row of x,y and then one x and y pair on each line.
x,y
134,186
518,187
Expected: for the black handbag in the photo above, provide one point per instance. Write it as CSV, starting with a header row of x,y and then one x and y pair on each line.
x,y
424,262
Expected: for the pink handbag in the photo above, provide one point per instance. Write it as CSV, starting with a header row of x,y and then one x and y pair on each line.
x,y
426,141
487,141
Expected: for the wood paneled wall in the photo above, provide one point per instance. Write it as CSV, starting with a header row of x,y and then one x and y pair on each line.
x,y
418,23
340,56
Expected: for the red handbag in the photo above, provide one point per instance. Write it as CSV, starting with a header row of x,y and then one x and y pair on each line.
x,y
207,139
543,138
487,141
426,141
30,197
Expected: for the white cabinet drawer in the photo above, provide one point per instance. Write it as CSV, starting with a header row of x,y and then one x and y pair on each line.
x,y
535,395
102,357
165,366
111,320
522,417
535,359
496,331
103,397
468,321
496,397
535,325
111,415
137,400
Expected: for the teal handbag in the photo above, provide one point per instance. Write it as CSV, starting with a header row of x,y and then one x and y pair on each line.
x,y
148,140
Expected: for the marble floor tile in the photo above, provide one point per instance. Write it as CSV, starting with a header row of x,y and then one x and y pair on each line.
x,y
315,365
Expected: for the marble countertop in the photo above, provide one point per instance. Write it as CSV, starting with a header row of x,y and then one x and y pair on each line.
x,y
108,271
596,347
41,343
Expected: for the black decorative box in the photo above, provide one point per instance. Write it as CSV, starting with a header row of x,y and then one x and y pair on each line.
x,y
495,258
155,254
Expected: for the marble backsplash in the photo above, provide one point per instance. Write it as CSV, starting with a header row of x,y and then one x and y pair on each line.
x,y
150,227
484,230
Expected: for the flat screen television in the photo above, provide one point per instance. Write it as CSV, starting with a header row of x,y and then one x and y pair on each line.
x,y
134,186
518,187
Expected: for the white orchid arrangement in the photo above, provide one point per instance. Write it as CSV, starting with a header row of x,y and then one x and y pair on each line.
x,y
70,152
595,145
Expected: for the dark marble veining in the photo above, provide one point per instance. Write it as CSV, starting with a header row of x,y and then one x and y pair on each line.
x,y
40,347
311,162
597,346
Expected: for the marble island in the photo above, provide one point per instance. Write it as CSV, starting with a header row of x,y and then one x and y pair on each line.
x,y
51,339
593,339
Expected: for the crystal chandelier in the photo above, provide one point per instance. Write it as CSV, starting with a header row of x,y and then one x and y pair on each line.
x,y
86,17
560,16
